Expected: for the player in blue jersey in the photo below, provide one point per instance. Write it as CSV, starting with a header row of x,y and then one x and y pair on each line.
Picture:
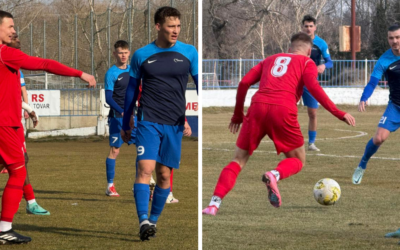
x,y
116,81
320,50
164,67
388,65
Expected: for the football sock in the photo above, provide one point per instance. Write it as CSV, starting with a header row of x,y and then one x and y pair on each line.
x,y
13,191
370,150
311,136
28,192
110,168
171,180
227,179
31,201
215,201
159,198
276,173
5,226
288,167
141,193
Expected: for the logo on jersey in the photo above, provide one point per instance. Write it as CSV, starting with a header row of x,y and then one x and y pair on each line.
x,y
115,139
140,150
327,51
280,66
151,61
177,60
392,67
119,79
383,120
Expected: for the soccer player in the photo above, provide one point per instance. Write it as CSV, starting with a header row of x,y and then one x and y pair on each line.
x,y
11,152
163,66
273,112
388,64
319,49
32,207
116,81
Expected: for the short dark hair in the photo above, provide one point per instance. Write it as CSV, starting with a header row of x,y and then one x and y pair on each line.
x,y
4,14
394,27
121,44
309,18
301,37
166,11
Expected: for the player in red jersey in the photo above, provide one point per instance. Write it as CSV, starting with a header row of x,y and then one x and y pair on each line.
x,y
11,151
273,112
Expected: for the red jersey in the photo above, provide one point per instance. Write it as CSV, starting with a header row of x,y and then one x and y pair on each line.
x,y
282,78
11,60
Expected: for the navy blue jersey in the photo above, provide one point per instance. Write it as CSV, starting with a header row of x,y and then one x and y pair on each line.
x,y
117,80
319,50
164,73
389,64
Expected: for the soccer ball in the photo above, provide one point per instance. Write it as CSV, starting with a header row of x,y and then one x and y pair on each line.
x,y
327,191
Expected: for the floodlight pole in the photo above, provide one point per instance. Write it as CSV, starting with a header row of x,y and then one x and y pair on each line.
x,y
353,30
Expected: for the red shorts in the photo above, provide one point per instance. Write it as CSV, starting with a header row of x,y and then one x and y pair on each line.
x,y
278,122
11,149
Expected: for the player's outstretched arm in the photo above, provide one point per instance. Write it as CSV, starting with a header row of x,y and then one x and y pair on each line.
x,y
131,95
349,119
368,90
110,101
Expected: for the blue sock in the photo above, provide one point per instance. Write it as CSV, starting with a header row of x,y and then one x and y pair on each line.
x,y
141,192
370,150
159,198
110,168
311,136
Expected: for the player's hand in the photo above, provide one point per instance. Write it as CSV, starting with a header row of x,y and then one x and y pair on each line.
x,y
132,123
188,130
321,68
126,135
89,79
234,127
26,114
362,105
34,118
349,119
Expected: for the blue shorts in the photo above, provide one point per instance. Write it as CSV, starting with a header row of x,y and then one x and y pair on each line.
x,y
391,118
115,126
309,100
159,142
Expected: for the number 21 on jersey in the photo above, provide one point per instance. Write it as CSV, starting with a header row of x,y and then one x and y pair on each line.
x,y
280,66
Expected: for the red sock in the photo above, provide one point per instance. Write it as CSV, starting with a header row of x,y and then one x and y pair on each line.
x,y
171,179
28,192
288,167
12,194
227,179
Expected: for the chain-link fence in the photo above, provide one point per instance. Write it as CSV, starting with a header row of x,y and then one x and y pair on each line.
x,y
86,41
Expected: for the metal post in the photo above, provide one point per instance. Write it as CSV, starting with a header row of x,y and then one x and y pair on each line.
x,y
353,30
45,80
31,40
44,38
172,3
148,22
59,39
108,36
92,41
76,80
240,69
366,72
194,22
18,30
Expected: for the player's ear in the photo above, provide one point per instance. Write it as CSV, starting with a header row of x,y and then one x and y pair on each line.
x,y
158,26
309,52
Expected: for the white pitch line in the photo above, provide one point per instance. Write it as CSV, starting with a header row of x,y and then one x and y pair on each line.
x,y
360,134
307,154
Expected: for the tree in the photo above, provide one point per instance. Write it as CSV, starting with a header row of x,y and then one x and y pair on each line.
x,y
379,42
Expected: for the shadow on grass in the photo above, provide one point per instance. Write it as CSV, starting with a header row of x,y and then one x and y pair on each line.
x,y
75,232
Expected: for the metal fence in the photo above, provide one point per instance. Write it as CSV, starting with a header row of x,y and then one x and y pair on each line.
x,y
85,41
220,74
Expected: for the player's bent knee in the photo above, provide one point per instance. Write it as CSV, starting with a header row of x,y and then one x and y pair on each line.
x,y
114,151
17,170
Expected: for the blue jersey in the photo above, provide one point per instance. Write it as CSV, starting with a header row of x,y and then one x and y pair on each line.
x,y
389,64
117,80
22,80
319,50
164,73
